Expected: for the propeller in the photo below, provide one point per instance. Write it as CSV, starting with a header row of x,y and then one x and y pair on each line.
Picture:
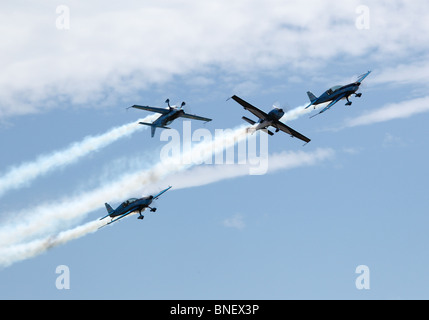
x,y
278,106
168,103
171,107
187,109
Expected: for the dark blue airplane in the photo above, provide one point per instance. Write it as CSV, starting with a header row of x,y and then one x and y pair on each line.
x,y
337,93
130,206
266,120
168,115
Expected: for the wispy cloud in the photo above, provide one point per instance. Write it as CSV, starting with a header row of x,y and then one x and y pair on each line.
x,y
235,222
400,110
99,60
412,72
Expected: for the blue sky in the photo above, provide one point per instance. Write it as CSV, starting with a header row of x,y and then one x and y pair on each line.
x,y
356,195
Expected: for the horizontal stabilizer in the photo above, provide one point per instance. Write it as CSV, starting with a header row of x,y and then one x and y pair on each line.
x,y
109,210
268,131
154,125
248,120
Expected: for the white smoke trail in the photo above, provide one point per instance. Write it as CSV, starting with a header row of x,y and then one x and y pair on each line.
x,y
300,111
51,217
19,252
196,177
26,172
204,175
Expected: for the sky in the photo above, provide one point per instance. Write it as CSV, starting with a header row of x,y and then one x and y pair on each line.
x,y
249,216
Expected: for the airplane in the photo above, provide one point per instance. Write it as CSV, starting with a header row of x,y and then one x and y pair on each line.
x,y
168,115
267,120
337,93
131,205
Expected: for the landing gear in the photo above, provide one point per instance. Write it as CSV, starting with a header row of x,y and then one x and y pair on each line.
x,y
152,209
358,95
349,103
140,217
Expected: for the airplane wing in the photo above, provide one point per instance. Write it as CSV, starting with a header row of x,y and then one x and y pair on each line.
x,y
152,109
259,113
330,105
281,126
116,219
120,217
362,77
162,192
191,116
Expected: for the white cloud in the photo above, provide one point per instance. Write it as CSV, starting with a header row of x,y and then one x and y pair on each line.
x,y
392,111
352,151
113,51
236,222
392,140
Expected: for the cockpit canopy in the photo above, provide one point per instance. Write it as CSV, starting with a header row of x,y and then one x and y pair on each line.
x,y
129,201
333,89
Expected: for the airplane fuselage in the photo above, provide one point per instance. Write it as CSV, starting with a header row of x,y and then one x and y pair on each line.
x,y
168,118
132,205
273,116
331,95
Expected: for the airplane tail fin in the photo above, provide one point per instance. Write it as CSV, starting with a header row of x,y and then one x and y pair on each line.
x,y
311,96
109,208
153,127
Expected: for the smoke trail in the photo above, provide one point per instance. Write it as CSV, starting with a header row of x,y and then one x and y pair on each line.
x,y
204,175
19,252
46,219
300,111
49,218
26,172
196,177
